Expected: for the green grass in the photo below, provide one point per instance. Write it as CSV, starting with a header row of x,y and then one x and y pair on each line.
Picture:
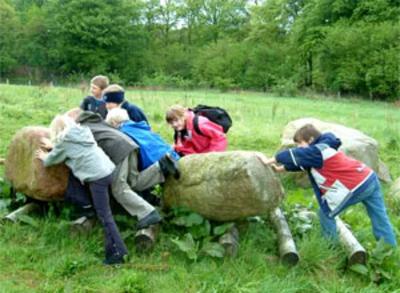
x,y
44,258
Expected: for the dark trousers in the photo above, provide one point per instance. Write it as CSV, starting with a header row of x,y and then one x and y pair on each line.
x,y
77,194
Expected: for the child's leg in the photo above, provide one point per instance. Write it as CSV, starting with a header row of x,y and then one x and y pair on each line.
x,y
76,193
328,226
114,245
381,226
145,179
123,193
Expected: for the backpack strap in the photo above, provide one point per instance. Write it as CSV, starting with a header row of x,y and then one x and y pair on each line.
x,y
196,124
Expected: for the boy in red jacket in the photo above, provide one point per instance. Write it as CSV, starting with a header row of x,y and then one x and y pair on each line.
x,y
338,181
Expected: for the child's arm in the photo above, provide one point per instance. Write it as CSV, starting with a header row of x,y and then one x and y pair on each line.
x,y
46,143
278,169
56,156
300,159
269,162
40,154
264,159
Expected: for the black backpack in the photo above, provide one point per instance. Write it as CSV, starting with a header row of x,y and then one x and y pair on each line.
x,y
216,115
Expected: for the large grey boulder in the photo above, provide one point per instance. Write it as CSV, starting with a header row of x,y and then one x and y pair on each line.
x,y
224,186
395,190
27,174
354,143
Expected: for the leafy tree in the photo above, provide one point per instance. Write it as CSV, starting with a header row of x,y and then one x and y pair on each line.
x,y
10,31
92,36
221,64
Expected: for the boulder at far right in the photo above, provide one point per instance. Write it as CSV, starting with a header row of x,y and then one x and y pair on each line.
x,y
354,143
395,189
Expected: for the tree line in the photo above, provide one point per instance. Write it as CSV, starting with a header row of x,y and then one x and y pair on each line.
x,y
331,46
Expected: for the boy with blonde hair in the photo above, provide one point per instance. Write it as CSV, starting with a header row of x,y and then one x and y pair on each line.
x,y
114,96
94,102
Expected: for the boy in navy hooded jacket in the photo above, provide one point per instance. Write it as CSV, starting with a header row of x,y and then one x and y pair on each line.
x,y
338,181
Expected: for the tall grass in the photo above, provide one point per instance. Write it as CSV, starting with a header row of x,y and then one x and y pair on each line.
x,y
44,258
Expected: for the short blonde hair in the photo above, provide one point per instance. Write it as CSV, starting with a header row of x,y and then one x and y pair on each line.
x,y
60,126
117,116
114,88
175,112
74,113
101,81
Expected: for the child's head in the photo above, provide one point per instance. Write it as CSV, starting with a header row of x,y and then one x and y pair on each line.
x,y
117,116
74,113
98,84
305,135
113,95
60,126
176,117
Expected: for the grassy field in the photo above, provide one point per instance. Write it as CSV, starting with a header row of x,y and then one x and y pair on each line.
x,y
41,256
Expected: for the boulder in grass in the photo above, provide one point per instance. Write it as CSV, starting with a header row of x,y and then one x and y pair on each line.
x,y
395,190
27,174
354,143
224,186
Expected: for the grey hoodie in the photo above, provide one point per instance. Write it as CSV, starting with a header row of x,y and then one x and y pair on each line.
x,y
113,142
80,152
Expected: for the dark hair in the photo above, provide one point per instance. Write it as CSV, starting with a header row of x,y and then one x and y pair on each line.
x,y
305,133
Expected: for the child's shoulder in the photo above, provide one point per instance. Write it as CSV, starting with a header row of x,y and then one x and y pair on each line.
x,y
88,98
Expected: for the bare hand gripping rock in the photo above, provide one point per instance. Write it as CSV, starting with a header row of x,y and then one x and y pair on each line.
x,y
224,186
26,172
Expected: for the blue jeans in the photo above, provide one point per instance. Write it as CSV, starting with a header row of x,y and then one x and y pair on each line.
x,y
372,199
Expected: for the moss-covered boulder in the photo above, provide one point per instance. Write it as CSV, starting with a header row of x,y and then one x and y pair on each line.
x,y
27,174
395,190
224,186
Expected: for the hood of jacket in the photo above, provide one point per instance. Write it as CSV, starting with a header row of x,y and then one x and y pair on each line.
x,y
328,138
80,135
141,125
89,117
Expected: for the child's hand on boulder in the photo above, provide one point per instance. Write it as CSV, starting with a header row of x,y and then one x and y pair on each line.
x,y
40,154
46,143
264,159
278,168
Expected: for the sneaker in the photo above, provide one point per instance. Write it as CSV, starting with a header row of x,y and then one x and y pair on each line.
x,y
151,219
169,166
114,260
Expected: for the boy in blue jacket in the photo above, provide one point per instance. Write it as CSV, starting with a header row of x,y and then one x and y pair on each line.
x,y
94,102
114,96
338,181
152,146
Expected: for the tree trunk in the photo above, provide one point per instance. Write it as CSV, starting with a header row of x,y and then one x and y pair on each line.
x,y
83,225
230,241
287,247
27,209
145,238
356,253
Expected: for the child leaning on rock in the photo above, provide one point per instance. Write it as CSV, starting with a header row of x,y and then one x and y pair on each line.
x,y
75,146
338,181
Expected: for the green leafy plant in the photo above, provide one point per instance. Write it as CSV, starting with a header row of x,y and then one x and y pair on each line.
x,y
199,234
301,219
380,266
